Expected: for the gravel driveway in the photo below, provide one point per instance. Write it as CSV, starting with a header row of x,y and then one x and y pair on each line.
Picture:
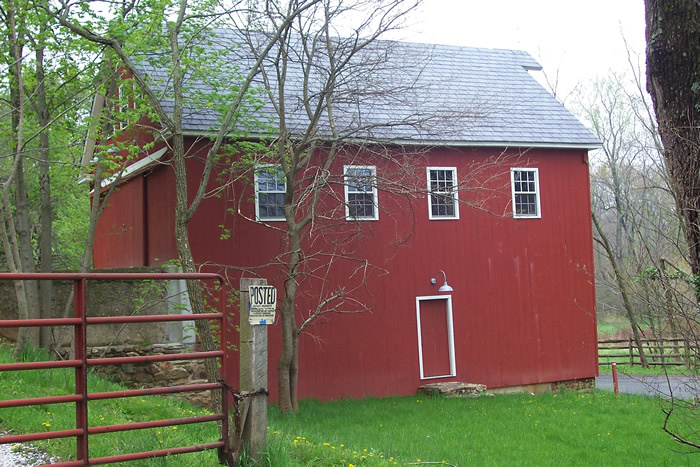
x,y
12,455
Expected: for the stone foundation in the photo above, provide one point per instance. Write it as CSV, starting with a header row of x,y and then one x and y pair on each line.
x,y
156,374
457,389
581,385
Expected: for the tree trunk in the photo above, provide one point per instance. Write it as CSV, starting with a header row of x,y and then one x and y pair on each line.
x,y
622,286
673,80
45,214
187,263
26,251
9,228
287,366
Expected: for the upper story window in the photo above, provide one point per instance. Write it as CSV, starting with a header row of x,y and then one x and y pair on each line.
x,y
442,199
361,192
122,107
526,193
270,187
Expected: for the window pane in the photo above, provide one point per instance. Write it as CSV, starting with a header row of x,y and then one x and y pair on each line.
x,y
359,179
360,205
525,204
442,205
271,205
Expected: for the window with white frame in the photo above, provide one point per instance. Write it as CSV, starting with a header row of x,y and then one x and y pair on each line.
x,y
270,187
121,120
442,198
526,193
361,192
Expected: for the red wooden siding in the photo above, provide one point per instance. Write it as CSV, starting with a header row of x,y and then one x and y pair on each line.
x,y
160,204
523,300
119,239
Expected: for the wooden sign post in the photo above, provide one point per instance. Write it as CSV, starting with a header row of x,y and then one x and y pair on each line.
x,y
253,375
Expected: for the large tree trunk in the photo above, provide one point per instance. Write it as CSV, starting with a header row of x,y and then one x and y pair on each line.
x,y
182,240
673,80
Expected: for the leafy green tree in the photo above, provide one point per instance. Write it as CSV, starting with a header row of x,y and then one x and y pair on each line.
x,y
176,27
46,89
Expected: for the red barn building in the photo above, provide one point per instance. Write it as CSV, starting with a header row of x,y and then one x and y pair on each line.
x,y
498,207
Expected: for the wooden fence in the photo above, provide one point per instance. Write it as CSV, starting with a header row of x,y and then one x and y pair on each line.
x,y
656,351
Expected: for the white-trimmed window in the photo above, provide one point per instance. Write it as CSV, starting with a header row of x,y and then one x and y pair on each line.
x,y
121,119
270,187
361,192
442,197
525,186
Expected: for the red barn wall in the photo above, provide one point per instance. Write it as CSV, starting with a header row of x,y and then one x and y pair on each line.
x,y
120,234
523,300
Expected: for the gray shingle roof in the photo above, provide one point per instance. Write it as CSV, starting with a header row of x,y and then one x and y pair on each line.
x,y
402,92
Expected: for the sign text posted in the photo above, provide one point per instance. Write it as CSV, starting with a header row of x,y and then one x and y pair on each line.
x,y
263,302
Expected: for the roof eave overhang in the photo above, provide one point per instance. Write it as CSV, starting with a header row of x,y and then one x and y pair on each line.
x,y
438,142
136,168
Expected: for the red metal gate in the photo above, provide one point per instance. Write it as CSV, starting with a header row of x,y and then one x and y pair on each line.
x,y
80,321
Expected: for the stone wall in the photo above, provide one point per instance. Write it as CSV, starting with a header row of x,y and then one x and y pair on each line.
x,y
581,385
157,374
113,298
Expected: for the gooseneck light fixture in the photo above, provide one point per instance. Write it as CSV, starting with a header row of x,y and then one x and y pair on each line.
x,y
444,287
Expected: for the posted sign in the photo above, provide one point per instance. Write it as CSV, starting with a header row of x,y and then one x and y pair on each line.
x,y
263,301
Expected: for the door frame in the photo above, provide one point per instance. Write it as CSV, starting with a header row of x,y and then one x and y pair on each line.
x,y
450,335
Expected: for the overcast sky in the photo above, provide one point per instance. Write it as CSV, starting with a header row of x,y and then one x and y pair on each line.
x,y
579,39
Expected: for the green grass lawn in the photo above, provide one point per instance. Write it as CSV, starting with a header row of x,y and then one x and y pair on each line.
x,y
565,429
551,429
49,417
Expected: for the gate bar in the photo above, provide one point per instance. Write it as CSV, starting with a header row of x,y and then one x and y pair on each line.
x,y
40,365
96,396
145,455
40,436
99,430
28,323
155,358
40,401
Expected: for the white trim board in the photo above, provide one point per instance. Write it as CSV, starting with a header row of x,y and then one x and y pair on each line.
x,y
136,167
450,335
